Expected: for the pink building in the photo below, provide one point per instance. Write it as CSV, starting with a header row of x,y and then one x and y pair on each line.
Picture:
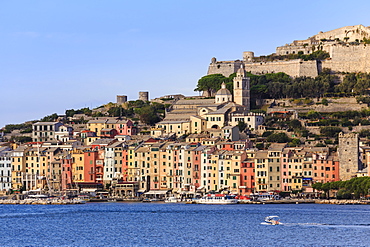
x,y
125,127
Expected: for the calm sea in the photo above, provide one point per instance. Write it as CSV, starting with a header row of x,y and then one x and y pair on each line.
x,y
160,224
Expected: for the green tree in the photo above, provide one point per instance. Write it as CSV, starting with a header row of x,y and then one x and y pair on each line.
x,y
50,118
313,114
147,114
210,83
349,81
242,126
116,111
278,137
295,142
260,146
330,131
295,124
97,114
21,139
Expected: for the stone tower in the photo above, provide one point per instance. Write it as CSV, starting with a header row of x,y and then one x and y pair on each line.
x,y
241,89
144,96
348,154
248,56
121,99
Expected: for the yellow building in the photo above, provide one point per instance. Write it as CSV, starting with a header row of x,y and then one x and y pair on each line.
x,y
78,165
18,166
198,124
97,125
179,127
274,154
132,168
261,171
36,168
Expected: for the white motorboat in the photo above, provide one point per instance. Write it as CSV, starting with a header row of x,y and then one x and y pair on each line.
x,y
217,199
272,220
171,200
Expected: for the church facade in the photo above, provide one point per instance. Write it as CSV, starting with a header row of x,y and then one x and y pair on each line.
x,y
187,116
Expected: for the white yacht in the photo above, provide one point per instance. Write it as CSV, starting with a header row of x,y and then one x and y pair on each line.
x,y
217,199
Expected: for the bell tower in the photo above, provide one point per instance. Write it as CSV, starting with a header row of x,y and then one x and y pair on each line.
x,y
241,88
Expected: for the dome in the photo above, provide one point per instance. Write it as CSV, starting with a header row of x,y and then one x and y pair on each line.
x,y
223,95
223,90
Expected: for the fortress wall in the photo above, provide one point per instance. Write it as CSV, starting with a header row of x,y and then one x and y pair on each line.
x,y
321,108
293,68
352,32
354,58
308,68
225,68
289,67
289,49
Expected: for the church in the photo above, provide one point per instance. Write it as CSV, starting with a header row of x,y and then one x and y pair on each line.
x,y
188,116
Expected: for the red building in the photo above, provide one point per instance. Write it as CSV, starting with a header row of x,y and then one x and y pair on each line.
x,y
124,164
197,152
66,179
247,175
93,166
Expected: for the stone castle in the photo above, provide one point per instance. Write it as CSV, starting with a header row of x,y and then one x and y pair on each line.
x,y
346,47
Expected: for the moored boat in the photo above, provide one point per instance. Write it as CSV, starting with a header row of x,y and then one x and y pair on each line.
x,y
171,200
217,199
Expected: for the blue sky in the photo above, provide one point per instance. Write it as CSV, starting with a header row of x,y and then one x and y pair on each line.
x,y
58,55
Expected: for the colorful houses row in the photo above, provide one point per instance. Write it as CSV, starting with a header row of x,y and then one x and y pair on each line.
x,y
158,167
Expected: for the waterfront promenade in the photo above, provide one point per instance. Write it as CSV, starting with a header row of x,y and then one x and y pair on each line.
x,y
282,201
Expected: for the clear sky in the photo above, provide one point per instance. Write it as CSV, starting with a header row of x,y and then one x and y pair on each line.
x,y
63,54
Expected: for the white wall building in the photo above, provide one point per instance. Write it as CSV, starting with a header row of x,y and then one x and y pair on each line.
x,y
5,169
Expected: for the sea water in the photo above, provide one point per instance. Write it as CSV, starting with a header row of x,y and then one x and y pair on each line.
x,y
161,224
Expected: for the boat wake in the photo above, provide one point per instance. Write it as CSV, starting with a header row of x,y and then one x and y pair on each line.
x,y
325,225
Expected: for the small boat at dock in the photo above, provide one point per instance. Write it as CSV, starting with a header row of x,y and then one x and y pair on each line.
x,y
217,199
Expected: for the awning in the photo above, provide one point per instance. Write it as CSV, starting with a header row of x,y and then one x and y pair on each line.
x,y
156,192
